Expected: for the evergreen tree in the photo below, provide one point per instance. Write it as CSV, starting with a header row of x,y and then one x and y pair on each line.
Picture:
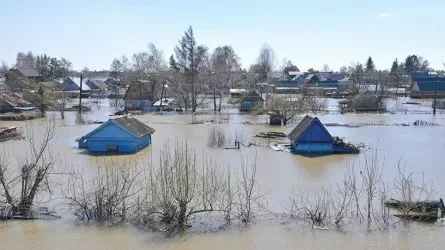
x,y
370,66
395,66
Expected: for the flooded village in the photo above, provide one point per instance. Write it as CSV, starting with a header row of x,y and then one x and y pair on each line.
x,y
192,151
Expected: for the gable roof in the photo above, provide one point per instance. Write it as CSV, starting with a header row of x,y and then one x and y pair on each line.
x,y
304,124
252,96
133,125
28,71
137,127
96,84
73,83
429,83
140,90
13,100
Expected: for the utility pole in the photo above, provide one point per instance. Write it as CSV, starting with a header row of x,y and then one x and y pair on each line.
x,y
435,95
80,95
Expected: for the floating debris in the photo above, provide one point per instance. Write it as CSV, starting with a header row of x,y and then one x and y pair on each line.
x,y
424,123
11,133
271,135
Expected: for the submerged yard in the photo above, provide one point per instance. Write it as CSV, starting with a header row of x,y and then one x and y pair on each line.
x,y
279,174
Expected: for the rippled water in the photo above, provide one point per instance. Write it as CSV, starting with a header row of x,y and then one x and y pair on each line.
x,y
422,149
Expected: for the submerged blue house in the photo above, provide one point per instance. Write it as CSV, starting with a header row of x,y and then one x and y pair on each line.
x,y
311,136
120,135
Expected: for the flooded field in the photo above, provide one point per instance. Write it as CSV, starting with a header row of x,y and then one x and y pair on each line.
x,y
420,149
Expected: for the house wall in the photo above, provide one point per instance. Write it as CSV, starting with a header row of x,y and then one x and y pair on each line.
x,y
114,136
315,134
146,105
249,105
103,145
314,147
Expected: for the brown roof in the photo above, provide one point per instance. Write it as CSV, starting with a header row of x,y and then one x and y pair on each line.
x,y
12,100
300,128
139,91
134,125
29,71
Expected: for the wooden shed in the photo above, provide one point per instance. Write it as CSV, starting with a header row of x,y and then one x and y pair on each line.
x,y
251,101
311,136
120,135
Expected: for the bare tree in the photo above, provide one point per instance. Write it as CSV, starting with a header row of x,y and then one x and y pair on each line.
x,y
248,196
372,176
266,62
110,197
314,208
21,185
217,137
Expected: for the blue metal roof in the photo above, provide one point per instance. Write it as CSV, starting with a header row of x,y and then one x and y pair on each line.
x,y
431,83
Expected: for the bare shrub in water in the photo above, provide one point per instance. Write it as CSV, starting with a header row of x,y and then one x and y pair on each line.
x,y
182,187
314,208
372,176
20,185
247,192
109,197
409,193
217,137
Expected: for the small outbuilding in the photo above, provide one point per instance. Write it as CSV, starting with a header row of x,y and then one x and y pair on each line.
x,y
121,135
311,136
251,101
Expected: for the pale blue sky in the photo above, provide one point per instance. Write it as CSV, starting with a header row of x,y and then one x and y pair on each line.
x,y
310,33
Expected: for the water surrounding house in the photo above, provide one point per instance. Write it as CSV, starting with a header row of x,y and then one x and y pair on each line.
x,y
310,136
120,135
251,101
278,174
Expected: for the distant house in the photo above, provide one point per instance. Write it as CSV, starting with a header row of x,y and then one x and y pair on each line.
x,y
120,135
243,84
95,84
21,78
10,102
428,87
363,102
311,136
236,93
73,84
289,72
139,96
328,84
309,81
251,101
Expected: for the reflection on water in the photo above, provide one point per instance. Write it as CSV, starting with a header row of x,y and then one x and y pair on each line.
x,y
420,148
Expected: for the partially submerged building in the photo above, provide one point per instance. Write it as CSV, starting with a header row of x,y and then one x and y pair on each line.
x,y
121,135
250,101
10,102
139,96
21,78
428,87
310,136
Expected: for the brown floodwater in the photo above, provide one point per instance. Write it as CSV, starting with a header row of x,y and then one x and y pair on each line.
x,y
420,149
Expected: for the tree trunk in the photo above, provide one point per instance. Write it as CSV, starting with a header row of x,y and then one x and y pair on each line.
x,y
214,99
220,100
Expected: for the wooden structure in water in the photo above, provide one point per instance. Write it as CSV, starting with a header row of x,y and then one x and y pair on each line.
x,y
310,136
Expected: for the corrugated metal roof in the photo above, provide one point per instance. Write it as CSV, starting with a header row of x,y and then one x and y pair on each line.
x,y
12,100
300,128
134,125
431,83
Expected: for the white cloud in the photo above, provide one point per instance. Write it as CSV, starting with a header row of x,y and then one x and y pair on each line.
x,y
383,15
